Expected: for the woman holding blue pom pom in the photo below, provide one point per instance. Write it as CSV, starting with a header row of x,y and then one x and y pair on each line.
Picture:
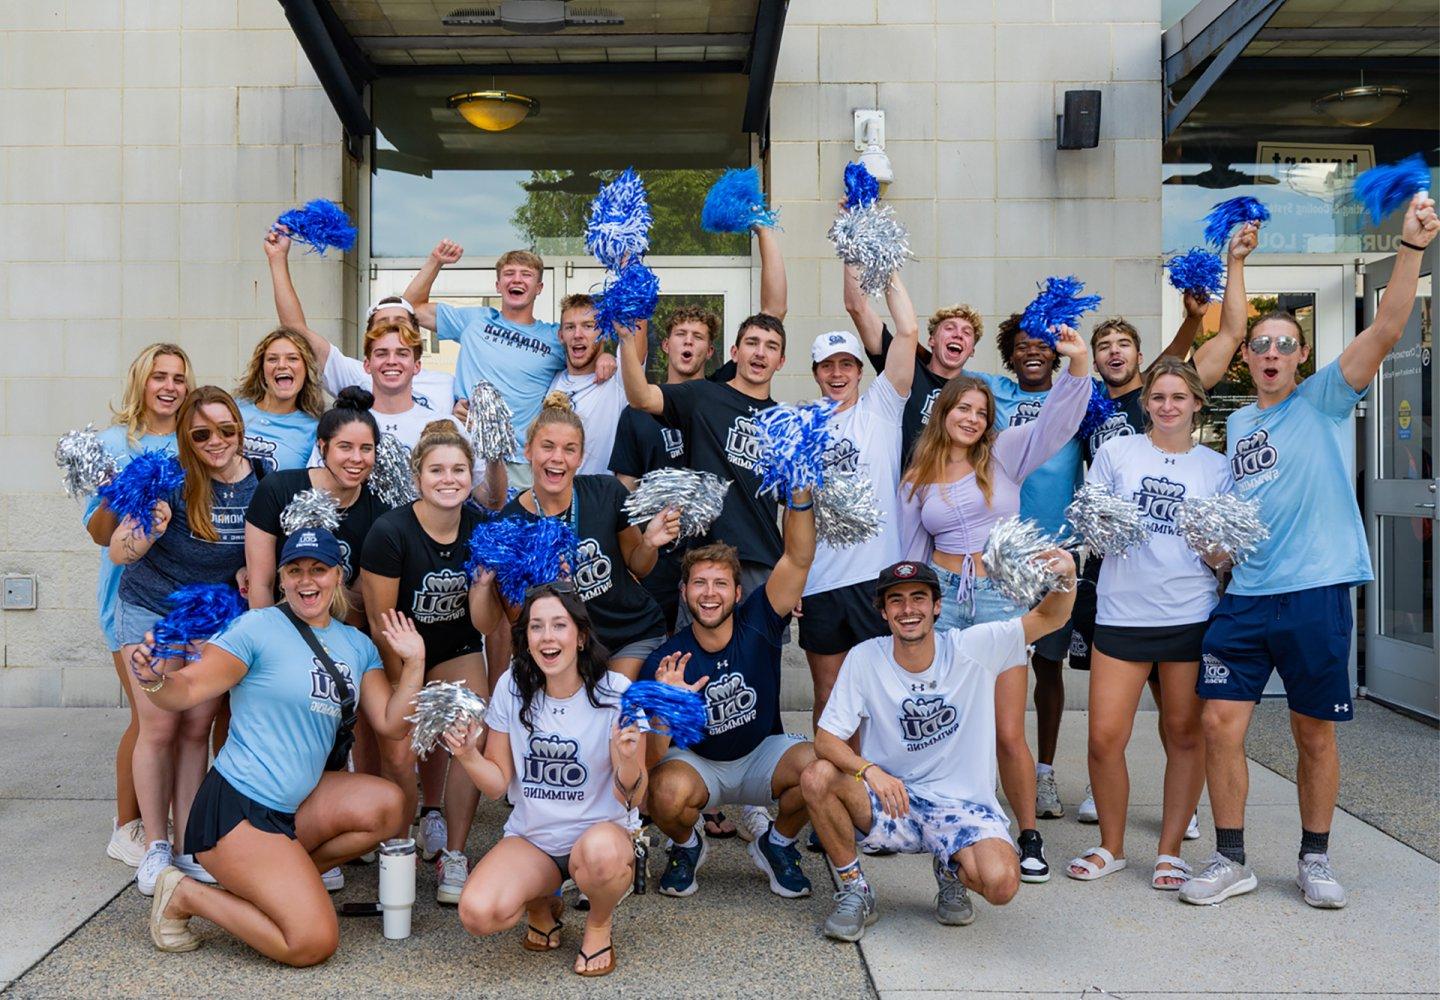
x,y
196,535
574,776
155,388
280,399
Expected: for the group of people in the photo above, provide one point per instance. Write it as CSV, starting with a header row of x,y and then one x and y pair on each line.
x,y
918,659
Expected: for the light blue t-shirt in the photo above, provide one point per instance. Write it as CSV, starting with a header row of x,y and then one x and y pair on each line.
x,y
1048,490
520,361
278,440
1291,457
285,711
107,583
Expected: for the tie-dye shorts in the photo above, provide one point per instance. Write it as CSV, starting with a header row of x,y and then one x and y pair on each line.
x,y
938,830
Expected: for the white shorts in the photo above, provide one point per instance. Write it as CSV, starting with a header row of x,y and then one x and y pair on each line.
x,y
941,831
747,781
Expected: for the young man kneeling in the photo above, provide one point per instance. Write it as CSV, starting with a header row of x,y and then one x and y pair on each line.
x,y
924,780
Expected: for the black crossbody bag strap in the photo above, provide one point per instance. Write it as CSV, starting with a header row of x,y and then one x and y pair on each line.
x,y
345,736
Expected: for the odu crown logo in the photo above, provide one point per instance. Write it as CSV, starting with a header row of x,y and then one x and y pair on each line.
x,y
742,443
1115,425
1028,410
922,718
261,451
1158,497
1253,454
842,456
554,761
929,405
592,570
442,596
729,702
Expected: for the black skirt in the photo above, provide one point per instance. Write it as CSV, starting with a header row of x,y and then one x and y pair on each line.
x,y
219,808
1164,644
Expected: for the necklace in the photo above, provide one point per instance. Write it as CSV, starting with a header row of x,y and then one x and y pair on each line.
x,y
1150,436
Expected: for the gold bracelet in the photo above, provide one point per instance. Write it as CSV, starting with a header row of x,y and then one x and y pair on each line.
x,y
151,688
860,774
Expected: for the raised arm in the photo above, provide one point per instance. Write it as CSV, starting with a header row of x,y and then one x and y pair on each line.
x,y
1023,449
1190,326
867,321
774,294
384,707
642,549
787,579
900,359
490,492
1213,357
1054,610
417,293
287,300
638,390
1361,360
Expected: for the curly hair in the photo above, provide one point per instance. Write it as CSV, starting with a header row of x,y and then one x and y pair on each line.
x,y
960,310
590,659
1009,331
694,314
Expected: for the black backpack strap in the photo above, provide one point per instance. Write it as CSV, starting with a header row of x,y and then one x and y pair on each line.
x,y
347,696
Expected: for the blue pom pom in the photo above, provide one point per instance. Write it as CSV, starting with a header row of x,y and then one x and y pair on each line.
x,y
150,477
523,553
861,187
627,298
678,711
735,204
1226,215
320,223
1199,272
1100,409
620,218
1058,304
793,440
1390,186
198,613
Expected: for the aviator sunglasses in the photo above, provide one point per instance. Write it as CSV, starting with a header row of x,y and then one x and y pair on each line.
x,y
202,434
1285,344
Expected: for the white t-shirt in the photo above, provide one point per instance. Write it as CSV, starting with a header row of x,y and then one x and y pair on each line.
x,y
934,730
866,437
1162,582
563,782
431,390
599,405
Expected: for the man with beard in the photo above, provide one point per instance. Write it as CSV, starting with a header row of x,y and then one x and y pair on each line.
x,y
730,652
923,781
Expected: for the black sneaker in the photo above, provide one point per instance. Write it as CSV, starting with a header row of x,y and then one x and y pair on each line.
x,y
1032,857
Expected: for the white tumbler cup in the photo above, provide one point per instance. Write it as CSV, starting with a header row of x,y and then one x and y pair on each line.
x,y
397,886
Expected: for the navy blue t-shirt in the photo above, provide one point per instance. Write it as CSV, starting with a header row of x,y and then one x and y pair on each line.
x,y
742,698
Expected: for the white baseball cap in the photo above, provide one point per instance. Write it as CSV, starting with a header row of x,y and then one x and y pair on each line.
x,y
827,345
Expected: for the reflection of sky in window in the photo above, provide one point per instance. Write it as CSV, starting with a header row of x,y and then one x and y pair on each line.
x,y
472,207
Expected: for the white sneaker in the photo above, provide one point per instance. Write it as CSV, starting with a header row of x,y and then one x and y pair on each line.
x,y
754,822
127,843
451,870
189,866
1047,797
334,880
158,857
1192,832
1087,814
433,835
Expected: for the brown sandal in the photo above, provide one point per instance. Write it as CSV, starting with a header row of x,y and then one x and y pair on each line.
x,y
557,907
594,973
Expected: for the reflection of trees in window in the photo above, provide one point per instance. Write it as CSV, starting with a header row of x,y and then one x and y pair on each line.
x,y
655,359
557,211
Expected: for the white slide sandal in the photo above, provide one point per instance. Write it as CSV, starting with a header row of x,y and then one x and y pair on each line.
x,y
1178,869
1089,871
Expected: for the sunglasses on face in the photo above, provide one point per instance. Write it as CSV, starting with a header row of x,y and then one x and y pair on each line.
x,y
1285,344
202,434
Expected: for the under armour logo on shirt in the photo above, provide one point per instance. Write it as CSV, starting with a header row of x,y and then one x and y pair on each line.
x,y
1342,708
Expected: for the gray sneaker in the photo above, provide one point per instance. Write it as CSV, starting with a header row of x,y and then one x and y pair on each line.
x,y
1047,797
1318,883
1220,879
952,902
854,911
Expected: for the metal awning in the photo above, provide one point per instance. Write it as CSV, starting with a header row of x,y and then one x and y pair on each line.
x,y
351,43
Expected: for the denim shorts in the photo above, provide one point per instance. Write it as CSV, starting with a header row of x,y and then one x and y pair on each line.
x,y
132,622
984,603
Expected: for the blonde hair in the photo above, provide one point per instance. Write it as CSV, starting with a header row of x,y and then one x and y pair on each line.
x,y
252,383
932,448
557,409
405,328
1185,372
131,412
522,257
339,601
198,489
958,311
440,434
577,301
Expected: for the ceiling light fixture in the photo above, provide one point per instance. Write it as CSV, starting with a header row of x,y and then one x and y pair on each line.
x,y
493,110
1361,106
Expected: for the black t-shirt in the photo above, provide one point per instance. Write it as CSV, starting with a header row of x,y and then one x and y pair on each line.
x,y
1129,418
433,589
643,444
277,490
923,393
718,422
620,609
742,698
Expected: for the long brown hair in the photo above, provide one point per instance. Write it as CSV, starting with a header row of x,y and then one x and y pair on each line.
x,y
198,491
932,448
252,383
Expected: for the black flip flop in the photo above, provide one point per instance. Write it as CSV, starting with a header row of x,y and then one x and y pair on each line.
x,y
717,817
593,973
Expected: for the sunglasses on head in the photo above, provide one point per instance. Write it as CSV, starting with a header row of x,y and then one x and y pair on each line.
x,y
202,434
1284,343
553,587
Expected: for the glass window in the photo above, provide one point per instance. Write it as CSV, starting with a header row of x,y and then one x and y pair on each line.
x,y
436,175
1406,406
655,358
1407,579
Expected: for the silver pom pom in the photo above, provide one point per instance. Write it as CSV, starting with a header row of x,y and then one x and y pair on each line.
x,y
1225,522
87,464
490,424
698,496
1108,525
846,510
315,508
392,481
439,706
871,239
1012,558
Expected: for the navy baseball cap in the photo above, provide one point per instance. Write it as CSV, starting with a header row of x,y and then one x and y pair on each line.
x,y
906,572
311,543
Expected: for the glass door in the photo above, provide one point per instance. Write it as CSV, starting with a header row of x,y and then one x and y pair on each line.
x,y
1402,659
